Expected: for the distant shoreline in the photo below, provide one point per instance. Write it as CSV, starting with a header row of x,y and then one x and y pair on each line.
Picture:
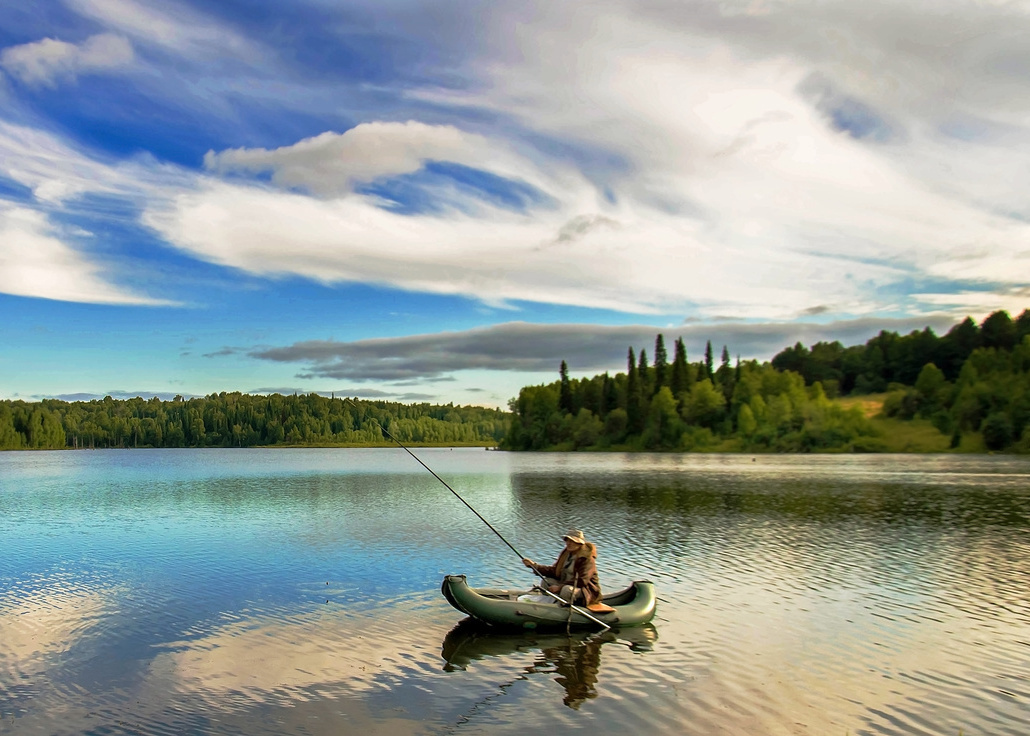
x,y
547,451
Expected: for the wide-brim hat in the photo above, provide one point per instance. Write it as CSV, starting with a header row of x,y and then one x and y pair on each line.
x,y
575,535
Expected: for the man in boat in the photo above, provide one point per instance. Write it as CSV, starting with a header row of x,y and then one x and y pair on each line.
x,y
573,576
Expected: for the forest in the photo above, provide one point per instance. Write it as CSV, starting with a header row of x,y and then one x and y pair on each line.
x,y
974,380
242,420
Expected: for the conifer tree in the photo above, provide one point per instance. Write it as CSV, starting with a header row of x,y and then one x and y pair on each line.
x,y
565,393
606,401
661,364
644,375
724,376
634,410
678,380
709,361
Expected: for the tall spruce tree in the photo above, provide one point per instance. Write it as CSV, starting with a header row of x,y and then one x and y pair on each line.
x,y
678,381
724,376
634,410
661,364
709,361
565,393
608,400
644,375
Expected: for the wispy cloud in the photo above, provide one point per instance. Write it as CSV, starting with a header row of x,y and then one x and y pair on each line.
x,y
36,262
41,256
757,186
56,172
49,61
752,165
755,180
169,25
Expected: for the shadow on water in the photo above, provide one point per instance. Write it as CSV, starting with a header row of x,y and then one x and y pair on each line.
x,y
574,658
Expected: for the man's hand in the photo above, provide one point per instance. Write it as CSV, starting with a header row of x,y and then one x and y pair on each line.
x,y
528,562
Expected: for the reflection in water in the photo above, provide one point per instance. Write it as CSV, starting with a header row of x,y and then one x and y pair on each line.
x,y
271,592
45,629
574,657
280,656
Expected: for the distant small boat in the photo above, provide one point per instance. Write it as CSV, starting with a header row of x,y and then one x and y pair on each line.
x,y
500,607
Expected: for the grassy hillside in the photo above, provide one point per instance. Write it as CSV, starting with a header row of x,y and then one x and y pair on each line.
x,y
909,435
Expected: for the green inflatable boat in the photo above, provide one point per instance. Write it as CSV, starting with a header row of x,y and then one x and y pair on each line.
x,y
630,607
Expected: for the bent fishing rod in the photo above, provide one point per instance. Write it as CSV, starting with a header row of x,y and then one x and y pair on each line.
x,y
500,536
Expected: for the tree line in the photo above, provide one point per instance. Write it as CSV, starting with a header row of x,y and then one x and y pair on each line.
x,y
975,378
892,358
241,420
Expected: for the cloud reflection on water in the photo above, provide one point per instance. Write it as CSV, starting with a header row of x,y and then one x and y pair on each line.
x,y
38,627
281,657
844,593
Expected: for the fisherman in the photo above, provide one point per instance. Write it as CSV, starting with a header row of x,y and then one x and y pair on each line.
x,y
573,576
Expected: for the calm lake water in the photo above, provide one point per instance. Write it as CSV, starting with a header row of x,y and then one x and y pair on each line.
x,y
297,592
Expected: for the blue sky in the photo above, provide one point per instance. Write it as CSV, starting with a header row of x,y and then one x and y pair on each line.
x,y
441,201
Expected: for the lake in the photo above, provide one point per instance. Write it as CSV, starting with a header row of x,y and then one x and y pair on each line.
x,y
297,592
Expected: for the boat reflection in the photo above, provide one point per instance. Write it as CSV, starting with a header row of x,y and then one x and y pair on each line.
x,y
575,658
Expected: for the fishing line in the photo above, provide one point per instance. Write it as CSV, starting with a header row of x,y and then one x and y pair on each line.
x,y
572,606
433,473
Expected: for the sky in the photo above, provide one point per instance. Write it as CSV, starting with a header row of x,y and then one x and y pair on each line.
x,y
441,201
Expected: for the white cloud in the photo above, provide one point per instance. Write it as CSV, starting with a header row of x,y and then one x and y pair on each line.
x,y
36,262
46,62
978,304
50,168
711,113
332,163
726,188
57,173
739,199
648,263
172,26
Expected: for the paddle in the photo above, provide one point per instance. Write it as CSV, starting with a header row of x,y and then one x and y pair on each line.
x,y
383,429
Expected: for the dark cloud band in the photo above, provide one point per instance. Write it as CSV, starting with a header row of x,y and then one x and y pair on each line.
x,y
524,347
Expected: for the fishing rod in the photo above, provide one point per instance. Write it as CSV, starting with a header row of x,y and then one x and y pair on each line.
x,y
445,484
500,536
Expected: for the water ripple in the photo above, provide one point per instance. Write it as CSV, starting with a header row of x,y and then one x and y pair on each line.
x,y
273,592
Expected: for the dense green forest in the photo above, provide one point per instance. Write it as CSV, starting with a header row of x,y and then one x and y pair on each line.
x,y
974,379
241,420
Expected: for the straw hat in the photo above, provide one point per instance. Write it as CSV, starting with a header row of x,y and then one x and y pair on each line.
x,y
575,535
